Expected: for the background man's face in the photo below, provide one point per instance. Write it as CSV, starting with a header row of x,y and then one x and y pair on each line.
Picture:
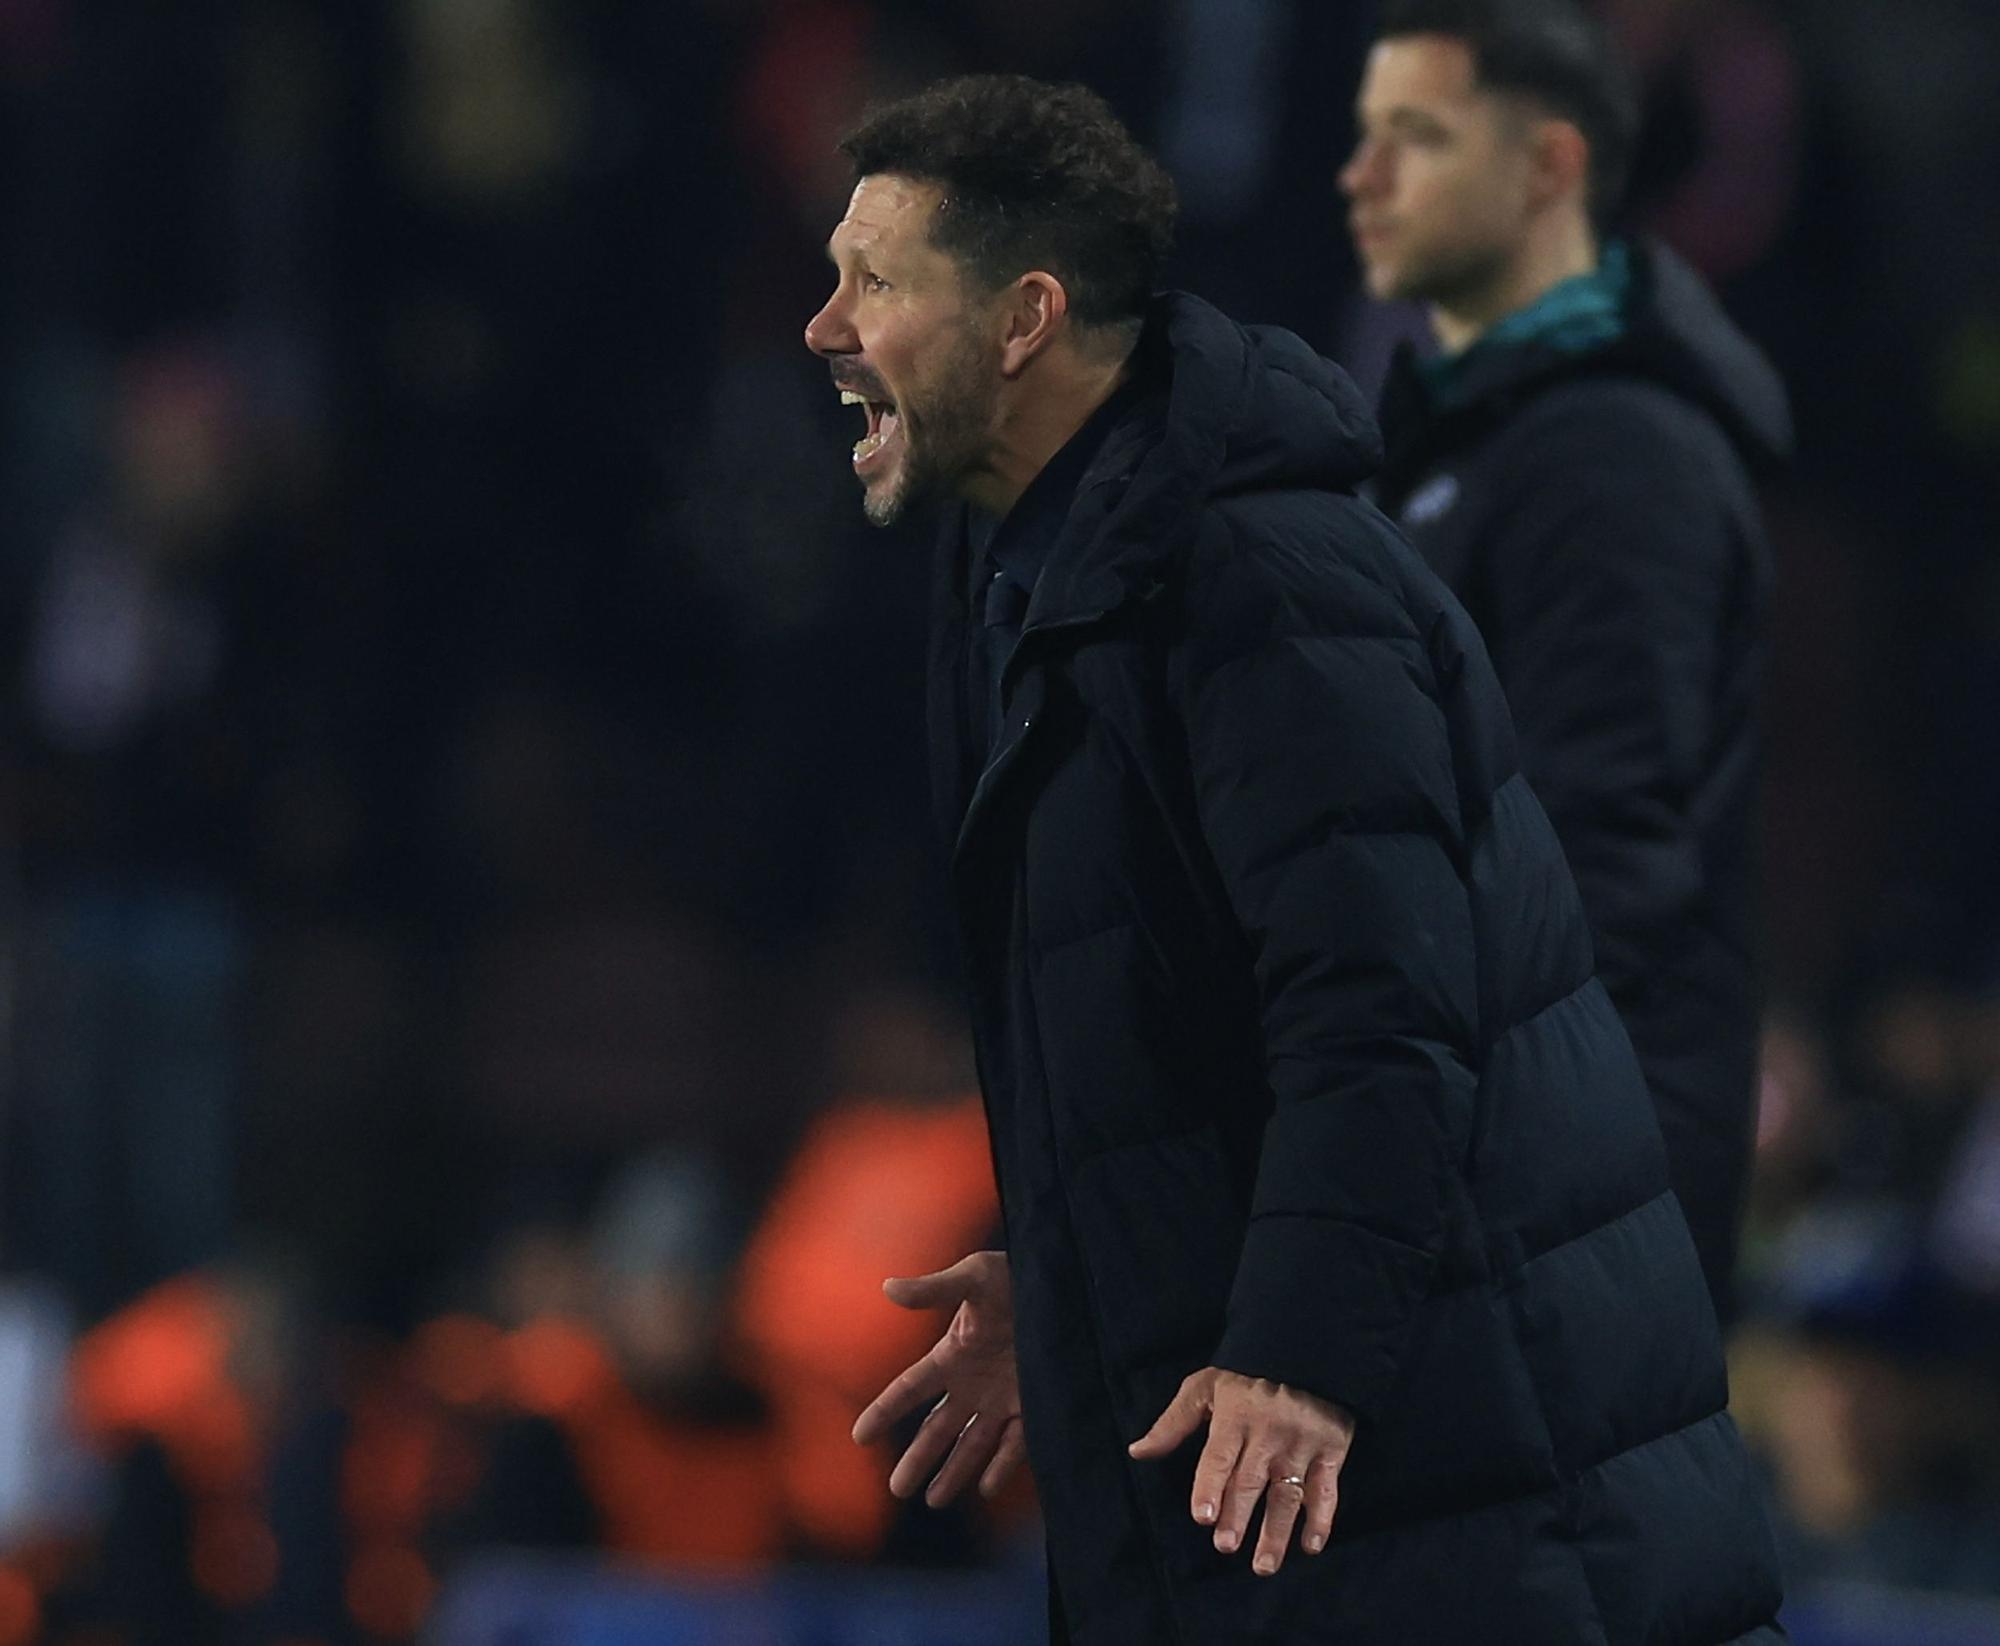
x,y
902,331
1438,185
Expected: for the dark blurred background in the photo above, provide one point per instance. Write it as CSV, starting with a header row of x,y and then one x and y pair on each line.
x,y
477,1008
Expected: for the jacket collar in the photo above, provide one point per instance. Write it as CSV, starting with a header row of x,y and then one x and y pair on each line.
x,y
1675,334
1218,409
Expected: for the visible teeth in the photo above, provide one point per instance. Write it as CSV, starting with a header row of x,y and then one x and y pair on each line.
x,y
849,398
867,446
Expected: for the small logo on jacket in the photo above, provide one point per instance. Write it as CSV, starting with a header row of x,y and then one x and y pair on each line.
x,y
1431,501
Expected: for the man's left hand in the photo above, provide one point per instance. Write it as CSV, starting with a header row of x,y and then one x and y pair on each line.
x,y
1265,1440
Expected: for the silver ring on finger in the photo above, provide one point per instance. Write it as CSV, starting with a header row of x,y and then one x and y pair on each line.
x,y
1292,1480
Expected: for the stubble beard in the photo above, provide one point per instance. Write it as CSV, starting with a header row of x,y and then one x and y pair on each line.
x,y
1453,277
943,433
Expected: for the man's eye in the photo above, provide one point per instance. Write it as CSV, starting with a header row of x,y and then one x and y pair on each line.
x,y
874,282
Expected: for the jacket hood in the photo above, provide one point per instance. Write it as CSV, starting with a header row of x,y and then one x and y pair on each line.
x,y
1224,410
1676,335
1253,408
1681,336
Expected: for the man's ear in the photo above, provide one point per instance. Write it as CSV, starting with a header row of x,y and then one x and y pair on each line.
x,y
1560,158
1036,309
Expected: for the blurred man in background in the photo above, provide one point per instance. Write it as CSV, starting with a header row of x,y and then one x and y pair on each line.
x,y
1312,1126
1577,465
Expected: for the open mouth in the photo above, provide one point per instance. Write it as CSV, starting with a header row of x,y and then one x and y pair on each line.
x,y
885,425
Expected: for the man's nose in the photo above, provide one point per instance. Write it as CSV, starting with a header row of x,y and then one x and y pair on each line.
x,y
829,332
1362,171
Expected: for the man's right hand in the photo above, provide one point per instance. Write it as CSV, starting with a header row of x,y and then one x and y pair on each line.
x,y
974,1426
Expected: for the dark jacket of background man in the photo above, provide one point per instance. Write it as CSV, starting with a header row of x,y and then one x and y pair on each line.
x,y
1595,512
1296,1065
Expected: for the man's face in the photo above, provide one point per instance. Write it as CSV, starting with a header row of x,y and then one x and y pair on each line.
x,y
903,335
1438,187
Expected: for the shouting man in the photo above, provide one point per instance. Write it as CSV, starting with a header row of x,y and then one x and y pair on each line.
x,y
1576,465
1345,1299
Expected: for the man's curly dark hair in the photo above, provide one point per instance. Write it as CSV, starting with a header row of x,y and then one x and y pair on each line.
x,y
1034,176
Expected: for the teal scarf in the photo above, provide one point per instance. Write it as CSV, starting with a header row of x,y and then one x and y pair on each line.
x,y
1582,313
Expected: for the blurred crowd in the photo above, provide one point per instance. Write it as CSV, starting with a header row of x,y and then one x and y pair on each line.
x,y
476,1014
664,1373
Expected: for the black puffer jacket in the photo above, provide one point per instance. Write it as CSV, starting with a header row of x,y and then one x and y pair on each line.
x,y
1595,513
1295,1064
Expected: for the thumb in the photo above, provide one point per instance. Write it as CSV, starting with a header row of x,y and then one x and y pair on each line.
x,y
1183,1416
945,1289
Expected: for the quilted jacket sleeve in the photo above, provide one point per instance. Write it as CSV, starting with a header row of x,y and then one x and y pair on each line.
x,y
1325,785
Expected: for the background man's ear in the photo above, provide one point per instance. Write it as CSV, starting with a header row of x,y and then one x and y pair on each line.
x,y
1561,160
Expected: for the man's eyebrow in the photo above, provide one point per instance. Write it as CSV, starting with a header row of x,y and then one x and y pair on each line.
x,y
1416,119
1399,117
857,255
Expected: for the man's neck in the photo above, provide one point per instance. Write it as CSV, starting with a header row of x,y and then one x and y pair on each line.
x,y
1045,419
1542,266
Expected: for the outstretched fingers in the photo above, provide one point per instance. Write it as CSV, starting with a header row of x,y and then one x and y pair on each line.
x,y
1284,1497
1184,1416
977,1443
1267,1445
943,1289
1233,1489
928,1448
907,1391
1011,1453
1322,1498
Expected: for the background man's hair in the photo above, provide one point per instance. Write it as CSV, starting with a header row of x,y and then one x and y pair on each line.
x,y
1553,53
1034,176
